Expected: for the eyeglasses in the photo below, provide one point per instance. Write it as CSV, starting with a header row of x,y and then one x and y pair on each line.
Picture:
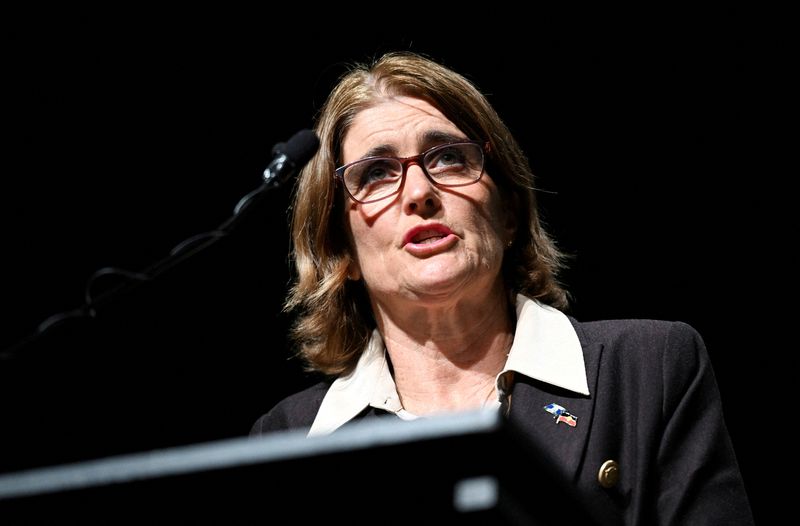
x,y
374,178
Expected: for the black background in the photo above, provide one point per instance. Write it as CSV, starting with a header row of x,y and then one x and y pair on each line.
x,y
126,134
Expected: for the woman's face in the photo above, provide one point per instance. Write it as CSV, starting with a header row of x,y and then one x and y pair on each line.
x,y
427,243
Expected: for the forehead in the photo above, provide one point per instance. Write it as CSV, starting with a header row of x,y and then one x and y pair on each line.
x,y
398,123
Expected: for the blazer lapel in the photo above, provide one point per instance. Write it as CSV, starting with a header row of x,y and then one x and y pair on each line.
x,y
561,443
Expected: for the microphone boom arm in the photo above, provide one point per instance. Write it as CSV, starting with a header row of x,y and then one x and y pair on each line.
x,y
289,157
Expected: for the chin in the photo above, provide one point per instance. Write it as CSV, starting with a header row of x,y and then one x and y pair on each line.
x,y
441,288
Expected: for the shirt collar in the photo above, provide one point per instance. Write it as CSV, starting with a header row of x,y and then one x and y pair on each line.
x,y
546,348
370,382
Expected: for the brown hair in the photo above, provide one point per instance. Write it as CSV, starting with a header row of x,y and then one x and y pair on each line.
x,y
335,320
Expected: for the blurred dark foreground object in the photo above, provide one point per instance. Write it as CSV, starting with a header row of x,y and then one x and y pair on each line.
x,y
467,468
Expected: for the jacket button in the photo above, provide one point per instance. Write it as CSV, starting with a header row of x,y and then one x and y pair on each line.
x,y
608,474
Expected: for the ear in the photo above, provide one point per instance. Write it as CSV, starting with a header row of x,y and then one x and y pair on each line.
x,y
510,221
353,270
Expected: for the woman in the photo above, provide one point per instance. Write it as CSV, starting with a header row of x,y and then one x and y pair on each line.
x,y
426,283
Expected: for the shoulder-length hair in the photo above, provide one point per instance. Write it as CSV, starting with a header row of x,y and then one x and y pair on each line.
x,y
334,318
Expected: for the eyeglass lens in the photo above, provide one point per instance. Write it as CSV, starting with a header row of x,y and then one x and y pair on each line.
x,y
447,165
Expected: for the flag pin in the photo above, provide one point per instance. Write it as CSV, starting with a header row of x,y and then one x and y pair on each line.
x,y
560,414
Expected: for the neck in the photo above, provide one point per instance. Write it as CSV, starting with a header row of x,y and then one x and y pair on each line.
x,y
446,357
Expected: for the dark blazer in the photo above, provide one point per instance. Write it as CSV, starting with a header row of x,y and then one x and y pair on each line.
x,y
654,408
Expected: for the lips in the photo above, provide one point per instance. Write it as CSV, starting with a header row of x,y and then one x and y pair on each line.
x,y
426,234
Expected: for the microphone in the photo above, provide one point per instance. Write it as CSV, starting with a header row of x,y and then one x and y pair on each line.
x,y
290,156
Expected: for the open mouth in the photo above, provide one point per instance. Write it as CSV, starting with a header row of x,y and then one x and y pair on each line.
x,y
427,236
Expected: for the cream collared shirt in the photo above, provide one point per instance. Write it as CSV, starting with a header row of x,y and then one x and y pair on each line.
x,y
546,348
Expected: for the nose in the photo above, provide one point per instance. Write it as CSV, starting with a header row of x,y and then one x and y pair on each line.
x,y
420,195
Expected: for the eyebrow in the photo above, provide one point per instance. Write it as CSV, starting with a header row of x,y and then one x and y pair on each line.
x,y
429,139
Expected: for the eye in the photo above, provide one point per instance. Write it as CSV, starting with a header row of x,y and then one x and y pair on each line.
x,y
373,172
445,159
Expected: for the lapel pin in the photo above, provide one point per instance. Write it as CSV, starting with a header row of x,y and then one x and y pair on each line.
x,y
560,414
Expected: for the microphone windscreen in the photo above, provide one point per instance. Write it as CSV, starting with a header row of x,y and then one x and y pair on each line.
x,y
301,147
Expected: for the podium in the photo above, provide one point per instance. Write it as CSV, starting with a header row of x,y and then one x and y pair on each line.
x,y
466,468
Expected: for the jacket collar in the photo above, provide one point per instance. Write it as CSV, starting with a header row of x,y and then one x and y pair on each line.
x,y
545,348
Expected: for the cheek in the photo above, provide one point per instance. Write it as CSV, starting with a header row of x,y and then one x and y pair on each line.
x,y
489,219
501,211
364,236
